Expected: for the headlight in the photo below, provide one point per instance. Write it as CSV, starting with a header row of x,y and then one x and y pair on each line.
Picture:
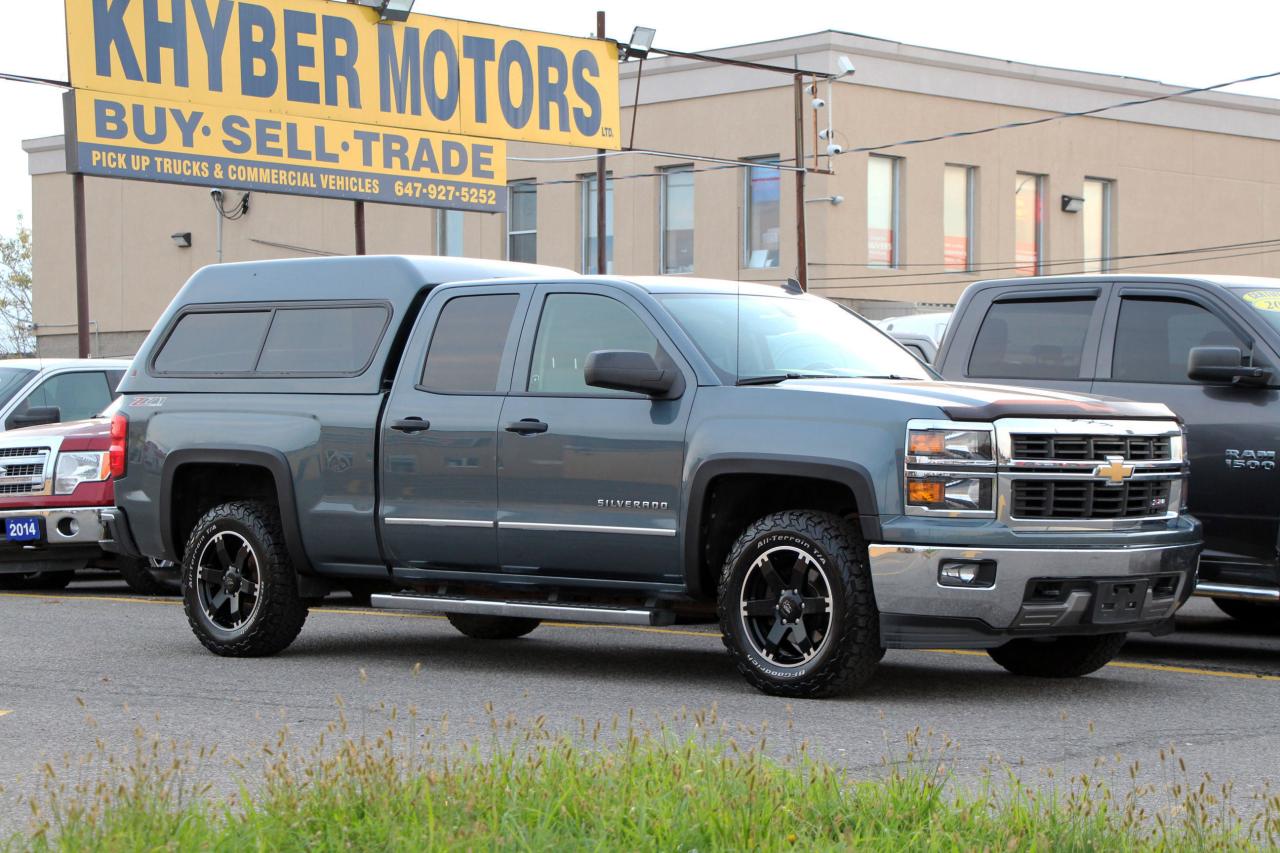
x,y
943,493
947,445
79,467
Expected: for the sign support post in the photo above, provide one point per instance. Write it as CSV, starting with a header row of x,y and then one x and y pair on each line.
x,y
602,254
360,245
82,265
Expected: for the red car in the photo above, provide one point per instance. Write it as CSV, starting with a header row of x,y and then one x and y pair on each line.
x,y
54,482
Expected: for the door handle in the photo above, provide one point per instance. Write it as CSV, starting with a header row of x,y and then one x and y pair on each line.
x,y
411,425
528,426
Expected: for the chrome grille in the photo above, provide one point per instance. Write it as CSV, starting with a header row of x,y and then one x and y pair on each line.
x,y
1091,447
16,452
20,489
22,470
1087,499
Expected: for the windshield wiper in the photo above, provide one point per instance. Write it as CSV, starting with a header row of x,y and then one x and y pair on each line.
x,y
891,376
775,378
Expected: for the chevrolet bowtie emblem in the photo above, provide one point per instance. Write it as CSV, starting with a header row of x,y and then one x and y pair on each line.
x,y
1115,470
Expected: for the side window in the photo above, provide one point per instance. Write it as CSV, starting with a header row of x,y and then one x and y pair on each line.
x,y
323,340
467,345
76,395
214,342
1155,336
1035,339
114,378
573,326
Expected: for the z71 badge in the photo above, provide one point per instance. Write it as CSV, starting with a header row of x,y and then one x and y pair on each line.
x,y
1254,460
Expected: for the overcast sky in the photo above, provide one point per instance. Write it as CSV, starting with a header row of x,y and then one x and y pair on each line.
x,y
1176,41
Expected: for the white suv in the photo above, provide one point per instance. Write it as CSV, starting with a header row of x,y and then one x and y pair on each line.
x,y
37,391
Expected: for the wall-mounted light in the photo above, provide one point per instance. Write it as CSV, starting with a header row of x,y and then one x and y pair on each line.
x,y
182,239
845,64
641,42
390,10
1072,204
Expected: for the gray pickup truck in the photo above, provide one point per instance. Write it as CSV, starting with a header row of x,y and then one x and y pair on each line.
x,y
507,444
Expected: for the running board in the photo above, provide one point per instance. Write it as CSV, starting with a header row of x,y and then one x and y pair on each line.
x,y
522,609
1238,591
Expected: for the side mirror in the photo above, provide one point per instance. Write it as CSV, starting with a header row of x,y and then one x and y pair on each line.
x,y
626,370
1222,366
36,416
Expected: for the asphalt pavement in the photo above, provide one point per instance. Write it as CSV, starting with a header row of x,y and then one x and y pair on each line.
x,y
98,663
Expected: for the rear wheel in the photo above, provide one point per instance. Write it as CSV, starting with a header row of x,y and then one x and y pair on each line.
x,y
1062,657
139,575
37,580
796,608
239,588
1255,614
492,627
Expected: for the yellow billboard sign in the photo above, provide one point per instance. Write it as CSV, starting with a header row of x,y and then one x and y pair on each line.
x,y
144,139
332,61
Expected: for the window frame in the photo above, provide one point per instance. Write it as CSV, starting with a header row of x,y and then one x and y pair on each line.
x,y
747,206
1105,256
270,308
895,212
587,220
1041,186
970,211
511,185
663,197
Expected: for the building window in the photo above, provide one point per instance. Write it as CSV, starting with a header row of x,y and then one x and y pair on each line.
x,y
676,227
589,225
957,218
1096,218
1028,223
449,233
882,211
763,217
522,222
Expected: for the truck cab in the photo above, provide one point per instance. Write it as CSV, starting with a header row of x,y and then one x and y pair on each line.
x,y
1206,346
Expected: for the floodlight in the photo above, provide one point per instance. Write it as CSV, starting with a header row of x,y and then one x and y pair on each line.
x,y
845,64
1072,204
641,42
390,10
182,239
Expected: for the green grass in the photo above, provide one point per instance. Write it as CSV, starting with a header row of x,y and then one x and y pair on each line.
x,y
606,787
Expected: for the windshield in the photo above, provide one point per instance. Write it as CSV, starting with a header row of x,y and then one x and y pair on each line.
x,y
753,336
11,380
1264,302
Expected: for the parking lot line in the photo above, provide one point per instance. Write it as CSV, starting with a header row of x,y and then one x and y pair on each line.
x,y
680,632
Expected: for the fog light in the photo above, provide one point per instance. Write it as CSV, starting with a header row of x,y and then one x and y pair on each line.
x,y
974,574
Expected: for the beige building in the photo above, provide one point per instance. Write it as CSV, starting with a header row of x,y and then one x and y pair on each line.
x,y
1188,184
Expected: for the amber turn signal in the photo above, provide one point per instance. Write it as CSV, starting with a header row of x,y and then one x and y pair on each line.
x,y
931,443
925,492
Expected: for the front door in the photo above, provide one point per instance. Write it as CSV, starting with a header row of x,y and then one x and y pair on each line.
x,y
589,484
439,450
1230,430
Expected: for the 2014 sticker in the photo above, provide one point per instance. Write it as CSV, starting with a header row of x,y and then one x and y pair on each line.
x,y
1263,300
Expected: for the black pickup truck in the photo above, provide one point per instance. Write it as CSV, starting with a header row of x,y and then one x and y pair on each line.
x,y
541,445
1207,346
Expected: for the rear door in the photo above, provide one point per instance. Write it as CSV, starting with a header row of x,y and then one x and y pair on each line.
x,y
590,478
1149,332
439,451
1039,335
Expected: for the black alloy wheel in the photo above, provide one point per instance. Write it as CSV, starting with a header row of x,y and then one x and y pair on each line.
x,y
785,602
228,580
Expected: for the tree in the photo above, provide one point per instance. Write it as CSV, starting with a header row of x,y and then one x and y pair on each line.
x,y
17,334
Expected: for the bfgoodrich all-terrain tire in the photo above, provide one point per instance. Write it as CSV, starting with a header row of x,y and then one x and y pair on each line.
x,y
239,588
1062,657
796,607
1257,615
492,627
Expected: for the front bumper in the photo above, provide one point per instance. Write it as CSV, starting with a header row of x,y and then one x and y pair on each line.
x,y
917,611
71,534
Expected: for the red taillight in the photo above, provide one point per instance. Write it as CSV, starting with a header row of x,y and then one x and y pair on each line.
x,y
119,444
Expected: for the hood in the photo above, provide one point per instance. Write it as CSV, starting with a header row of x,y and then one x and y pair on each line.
x,y
965,402
91,428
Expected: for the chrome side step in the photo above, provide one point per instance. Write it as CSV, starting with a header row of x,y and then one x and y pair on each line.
x,y
1244,593
522,609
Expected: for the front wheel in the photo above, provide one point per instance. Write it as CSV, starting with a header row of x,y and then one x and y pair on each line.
x,y
796,606
239,589
1062,657
1257,615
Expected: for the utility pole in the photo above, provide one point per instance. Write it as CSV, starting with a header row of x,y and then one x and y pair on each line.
x,y
360,246
802,250
602,255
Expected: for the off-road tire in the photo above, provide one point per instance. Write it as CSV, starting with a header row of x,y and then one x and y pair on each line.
x,y
42,580
1257,615
1062,657
281,612
492,627
138,577
850,649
